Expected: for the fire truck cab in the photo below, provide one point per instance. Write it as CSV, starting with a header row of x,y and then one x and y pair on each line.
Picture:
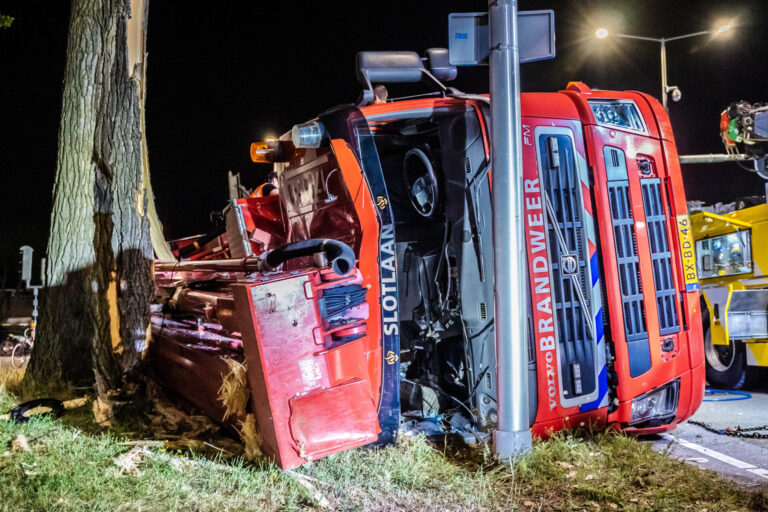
x,y
405,341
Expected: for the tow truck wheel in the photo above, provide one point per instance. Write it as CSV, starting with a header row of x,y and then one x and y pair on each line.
x,y
726,364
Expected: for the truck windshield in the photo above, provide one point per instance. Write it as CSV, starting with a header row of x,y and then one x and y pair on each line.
x,y
725,255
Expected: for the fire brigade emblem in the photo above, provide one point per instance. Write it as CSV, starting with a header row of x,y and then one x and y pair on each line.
x,y
381,202
391,357
569,263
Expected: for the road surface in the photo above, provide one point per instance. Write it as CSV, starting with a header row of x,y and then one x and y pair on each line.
x,y
740,459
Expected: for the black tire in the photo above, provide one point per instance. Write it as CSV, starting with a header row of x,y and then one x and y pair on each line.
x,y
18,413
6,347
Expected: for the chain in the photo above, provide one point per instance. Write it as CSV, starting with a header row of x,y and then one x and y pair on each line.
x,y
737,431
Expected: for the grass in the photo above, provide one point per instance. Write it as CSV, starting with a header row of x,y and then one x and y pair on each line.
x,y
70,467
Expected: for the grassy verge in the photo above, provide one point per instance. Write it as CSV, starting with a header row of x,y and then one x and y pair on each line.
x,y
67,467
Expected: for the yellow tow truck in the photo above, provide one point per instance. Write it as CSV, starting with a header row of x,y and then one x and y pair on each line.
x,y
732,262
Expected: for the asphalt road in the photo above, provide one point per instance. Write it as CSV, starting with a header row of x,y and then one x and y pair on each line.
x,y
741,459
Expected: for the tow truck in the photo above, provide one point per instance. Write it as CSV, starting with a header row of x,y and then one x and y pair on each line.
x,y
732,252
361,296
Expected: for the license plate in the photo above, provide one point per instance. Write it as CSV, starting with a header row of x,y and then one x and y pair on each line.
x,y
688,255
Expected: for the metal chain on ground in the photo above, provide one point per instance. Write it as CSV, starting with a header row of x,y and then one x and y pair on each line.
x,y
737,431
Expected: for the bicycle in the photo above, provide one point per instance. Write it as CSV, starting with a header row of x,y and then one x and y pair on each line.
x,y
22,350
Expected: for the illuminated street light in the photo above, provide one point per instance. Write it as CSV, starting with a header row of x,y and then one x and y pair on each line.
x,y
602,33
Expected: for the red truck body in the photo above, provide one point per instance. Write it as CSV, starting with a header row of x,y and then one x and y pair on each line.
x,y
404,341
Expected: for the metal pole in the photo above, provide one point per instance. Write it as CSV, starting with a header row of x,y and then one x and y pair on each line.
x,y
712,158
664,74
513,437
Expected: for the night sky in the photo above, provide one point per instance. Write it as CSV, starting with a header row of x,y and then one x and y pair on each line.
x,y
223,77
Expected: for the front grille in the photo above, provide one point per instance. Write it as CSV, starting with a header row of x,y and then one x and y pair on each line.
x,y
627,260
661,257
562,185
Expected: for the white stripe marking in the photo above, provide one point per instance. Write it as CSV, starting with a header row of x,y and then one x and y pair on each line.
x,y
759,472
719,456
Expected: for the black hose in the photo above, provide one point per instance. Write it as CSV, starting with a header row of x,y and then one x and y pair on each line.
x,y
19,413
339,255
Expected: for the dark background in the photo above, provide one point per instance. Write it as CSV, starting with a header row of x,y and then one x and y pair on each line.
x,y
223,77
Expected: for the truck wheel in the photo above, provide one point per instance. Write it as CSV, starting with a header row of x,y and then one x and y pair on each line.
x,y
726,364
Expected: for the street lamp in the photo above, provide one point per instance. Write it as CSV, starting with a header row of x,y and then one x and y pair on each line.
x,y
602,33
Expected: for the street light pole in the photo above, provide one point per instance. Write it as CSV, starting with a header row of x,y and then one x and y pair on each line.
x,y
602,33
664,74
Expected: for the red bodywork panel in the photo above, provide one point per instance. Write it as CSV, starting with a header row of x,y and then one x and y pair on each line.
x,y
310,400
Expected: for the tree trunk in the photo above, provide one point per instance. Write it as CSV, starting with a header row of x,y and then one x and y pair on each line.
x,y
95,311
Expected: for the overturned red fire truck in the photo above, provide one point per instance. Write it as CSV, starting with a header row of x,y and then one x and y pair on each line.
x,y
361,295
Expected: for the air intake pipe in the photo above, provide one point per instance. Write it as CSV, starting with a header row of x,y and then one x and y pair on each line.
x,y
339,255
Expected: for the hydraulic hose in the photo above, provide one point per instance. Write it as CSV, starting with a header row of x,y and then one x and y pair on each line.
x,y
339,255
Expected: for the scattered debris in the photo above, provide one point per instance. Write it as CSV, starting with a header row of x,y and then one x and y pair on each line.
x,y
145,442
103,412
166,419
307,482
75,403
250,436
129,461
20,444
234,392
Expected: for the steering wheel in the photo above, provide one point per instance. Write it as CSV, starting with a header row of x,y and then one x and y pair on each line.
x,y
421,182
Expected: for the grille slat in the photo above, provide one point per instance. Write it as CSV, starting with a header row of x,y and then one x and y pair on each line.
x,y
562,185
661,256
627,260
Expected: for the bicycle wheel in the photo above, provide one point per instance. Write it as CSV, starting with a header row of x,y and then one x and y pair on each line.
x,y
19,355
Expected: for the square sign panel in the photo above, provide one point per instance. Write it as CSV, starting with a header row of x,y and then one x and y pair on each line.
x,y
469,37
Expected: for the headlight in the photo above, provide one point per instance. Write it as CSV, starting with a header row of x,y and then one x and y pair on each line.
x,y
622,114
655,406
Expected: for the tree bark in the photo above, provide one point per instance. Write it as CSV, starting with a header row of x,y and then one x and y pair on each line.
x,y
95,311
